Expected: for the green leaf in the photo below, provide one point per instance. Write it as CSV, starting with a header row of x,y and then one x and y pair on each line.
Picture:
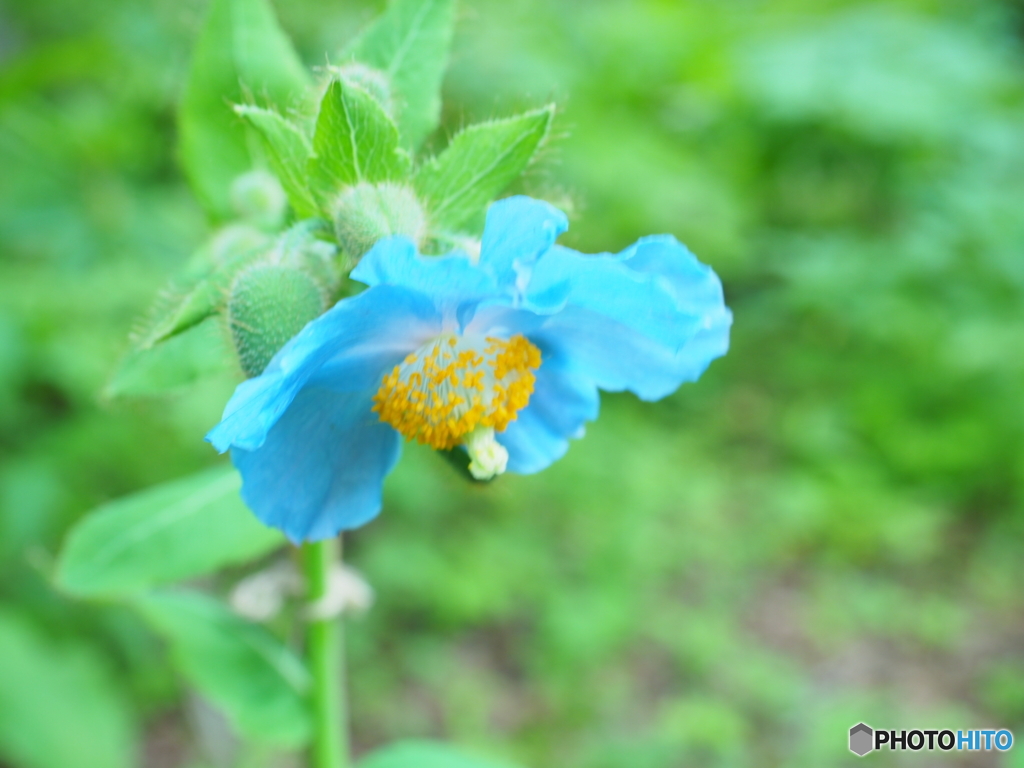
x,y
200,352
240,50
202,291
177,530
478,164
258,682
355,141
59,706
179,307
424,754
288,151
409,42
196,303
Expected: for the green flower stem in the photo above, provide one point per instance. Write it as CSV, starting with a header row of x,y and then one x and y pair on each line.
x,y
324,650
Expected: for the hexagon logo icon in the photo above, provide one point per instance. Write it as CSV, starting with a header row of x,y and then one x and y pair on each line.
x,y
862,739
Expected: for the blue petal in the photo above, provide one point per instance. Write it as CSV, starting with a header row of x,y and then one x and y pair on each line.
x,y
452,281
517,232
697,291
645,320
346,349
504,321
606,285
695,286
321,467
610,354
709,343
563,400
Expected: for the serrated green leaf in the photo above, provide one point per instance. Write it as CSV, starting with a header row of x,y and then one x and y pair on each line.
x,y
409,42
198,353
355,141
478,164
185,308
424,754
59,706
240,50
288,151
177,530
202,292
259,683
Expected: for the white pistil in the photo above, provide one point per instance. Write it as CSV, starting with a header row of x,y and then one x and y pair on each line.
x,y
488,457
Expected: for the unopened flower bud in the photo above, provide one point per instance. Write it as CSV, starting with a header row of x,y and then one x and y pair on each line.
x,y
229,243
269,304
258,198
366,213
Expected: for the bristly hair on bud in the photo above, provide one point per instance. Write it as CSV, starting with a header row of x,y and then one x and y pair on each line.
x,y
272,298
268,304
365,213
258,198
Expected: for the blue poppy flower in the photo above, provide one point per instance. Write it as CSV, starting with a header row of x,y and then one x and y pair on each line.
x,y
502,356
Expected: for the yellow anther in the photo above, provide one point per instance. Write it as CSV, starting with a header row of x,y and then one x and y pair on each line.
x,y
455,385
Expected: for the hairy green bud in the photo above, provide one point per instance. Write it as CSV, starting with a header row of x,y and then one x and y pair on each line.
x,y
365,213
268,304
258,198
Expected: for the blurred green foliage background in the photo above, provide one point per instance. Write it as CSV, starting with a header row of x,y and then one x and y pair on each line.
x,y
825,529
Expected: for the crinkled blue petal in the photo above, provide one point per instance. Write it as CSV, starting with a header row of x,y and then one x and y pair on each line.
x,y
612,355
697,291
645,320
694,286
709,343
504,321
453,282
563,399
518,231
346,349
606,284
321,467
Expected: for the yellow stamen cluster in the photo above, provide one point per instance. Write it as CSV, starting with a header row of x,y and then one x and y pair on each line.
x,y
448,388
